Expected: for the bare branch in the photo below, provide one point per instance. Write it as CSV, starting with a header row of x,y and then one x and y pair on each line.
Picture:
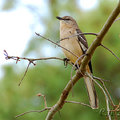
x,y
117,19
100,79
28,59
100,36
31,60
77,35
105,94
110,51
76,65
78,103
63,96
112,103
107,100
39,111
56,44
117,108
24,74
44,98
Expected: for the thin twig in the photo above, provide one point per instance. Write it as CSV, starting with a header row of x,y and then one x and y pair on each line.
x,y
117,108
39,111
76,63
24,74
100,79
117,19
105,94
44,98
63,96
110,51
56,44
77,35
111,101
100,36
78,103
29,59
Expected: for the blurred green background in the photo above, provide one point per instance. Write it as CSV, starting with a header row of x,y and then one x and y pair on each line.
x,y
50,77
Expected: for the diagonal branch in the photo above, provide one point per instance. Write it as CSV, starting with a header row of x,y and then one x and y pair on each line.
x,y
63,96
110,51
56,44
106,98
100,36
85,61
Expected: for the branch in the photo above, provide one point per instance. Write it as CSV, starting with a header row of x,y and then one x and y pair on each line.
x,y
117,19
24,74
111,101
77,35
84,62
78,103
110,51
55,44
44,98
39,111
106,97
46,108
100,36
63,96
30,60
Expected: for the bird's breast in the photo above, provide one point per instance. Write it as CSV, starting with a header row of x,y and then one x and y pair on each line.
x,y
71,44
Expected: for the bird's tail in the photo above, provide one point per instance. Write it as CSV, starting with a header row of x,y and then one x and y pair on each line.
x,y
91,92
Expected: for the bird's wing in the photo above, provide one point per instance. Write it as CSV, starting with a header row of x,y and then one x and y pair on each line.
x,y
84,46
82,40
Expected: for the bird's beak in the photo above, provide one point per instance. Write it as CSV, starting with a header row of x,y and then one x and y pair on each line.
x,y
59,18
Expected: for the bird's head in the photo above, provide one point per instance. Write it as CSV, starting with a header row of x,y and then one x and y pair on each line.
x,y
67,21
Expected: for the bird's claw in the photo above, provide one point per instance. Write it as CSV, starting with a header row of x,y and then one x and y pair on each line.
x,y
66,61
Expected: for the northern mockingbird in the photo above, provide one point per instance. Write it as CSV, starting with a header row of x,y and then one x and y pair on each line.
x,y
77,44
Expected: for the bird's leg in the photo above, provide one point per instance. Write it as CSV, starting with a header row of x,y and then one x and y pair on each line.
x,y
66,60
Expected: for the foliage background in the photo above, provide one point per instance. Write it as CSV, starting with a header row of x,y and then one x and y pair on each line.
x,y
50,77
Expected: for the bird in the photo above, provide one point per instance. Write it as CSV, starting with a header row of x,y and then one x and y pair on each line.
x,y
71,40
